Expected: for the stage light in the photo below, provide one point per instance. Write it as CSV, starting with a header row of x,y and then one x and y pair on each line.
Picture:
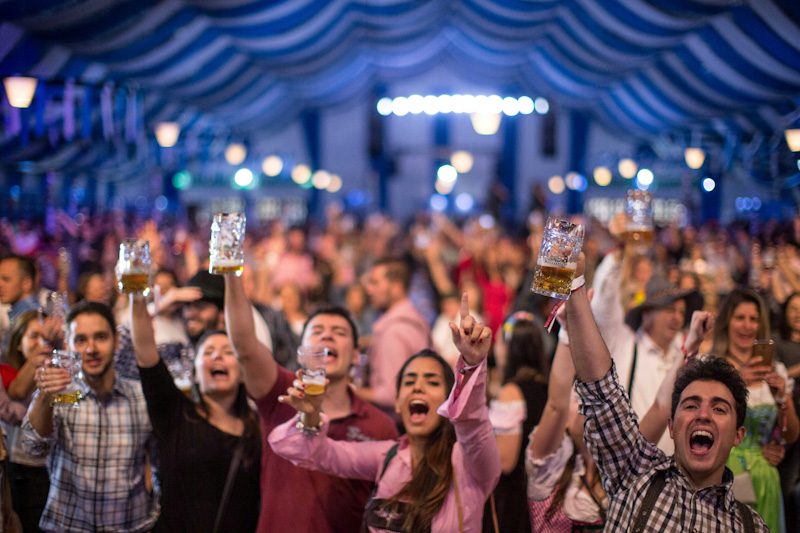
x,y
445,103
444,187
464,202
20,90
167,134
415,104
430,105
541,105
400,106
645,177
709,184
235,154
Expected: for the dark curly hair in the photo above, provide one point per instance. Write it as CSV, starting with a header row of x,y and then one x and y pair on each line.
x,y
712,368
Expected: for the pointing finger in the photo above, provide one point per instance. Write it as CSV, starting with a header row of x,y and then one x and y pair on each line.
x,y
464,305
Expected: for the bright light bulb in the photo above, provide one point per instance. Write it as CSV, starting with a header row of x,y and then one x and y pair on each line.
x,y
384,107
602,176
464,202
235,154
485,123
272,165
447,173
167,134
556,184
243,177
510,106
335,184
627,168
20,90
415,104
444,187
321,179
793,139
541,105
695,157
301,174
462,161
525,105
400,106
645,177
709,184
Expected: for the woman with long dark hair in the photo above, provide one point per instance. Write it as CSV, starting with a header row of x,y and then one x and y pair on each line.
x,y
31,342
771,417
519,353
209,449
438,475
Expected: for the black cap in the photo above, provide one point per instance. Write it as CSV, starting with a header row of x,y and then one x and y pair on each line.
x,y
211,285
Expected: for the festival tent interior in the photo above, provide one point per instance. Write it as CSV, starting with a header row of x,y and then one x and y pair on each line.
x,y
400,105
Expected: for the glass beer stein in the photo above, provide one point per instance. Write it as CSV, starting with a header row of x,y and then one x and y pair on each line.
x,y
226,247
558,259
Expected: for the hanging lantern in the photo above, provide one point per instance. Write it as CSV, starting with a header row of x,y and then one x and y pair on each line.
x,y
793,139
167,134
485,123
695,157
20,90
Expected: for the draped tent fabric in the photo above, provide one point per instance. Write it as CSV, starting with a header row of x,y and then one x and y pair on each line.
x,y
641,67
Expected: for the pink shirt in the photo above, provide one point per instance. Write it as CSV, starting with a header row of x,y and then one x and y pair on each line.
x,y
476,463
397,335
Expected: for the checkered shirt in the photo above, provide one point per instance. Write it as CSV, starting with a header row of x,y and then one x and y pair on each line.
x,y
627,463
97,463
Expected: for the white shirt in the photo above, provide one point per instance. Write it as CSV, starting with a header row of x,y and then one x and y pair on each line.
x,y
652,363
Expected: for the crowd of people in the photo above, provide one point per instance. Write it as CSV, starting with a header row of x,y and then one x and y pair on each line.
x,y
665,395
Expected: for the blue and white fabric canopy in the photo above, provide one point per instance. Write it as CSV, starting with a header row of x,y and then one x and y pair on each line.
x,y
641,67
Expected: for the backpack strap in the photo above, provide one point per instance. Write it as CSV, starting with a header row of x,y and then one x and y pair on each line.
x,y
388,459
746,516
657,483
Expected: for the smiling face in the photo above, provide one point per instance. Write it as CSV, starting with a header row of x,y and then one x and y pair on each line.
x,y
33,342
743,326
793,315
422,390
664,323
216,366
200,316
335,333
704,429
91,336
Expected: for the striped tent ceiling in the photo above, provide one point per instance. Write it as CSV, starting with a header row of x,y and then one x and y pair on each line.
x,y
641,67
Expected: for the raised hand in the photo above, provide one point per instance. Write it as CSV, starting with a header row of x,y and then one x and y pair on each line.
x,y
308,404
472,339
51,380
701,325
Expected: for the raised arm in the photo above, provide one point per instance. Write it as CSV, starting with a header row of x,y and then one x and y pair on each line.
x,y
549,432
589,352
260,368
142,335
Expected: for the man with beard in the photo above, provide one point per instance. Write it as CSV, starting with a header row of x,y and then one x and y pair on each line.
x,y
98,449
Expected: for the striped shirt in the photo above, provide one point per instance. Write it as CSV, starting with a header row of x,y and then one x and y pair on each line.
x,y
97,463
627,463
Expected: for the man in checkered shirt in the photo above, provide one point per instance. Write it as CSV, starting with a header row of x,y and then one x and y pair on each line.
x,y
708,408
97,450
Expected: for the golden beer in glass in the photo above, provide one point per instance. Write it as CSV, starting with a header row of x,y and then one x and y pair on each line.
x,y
639,231
133,267
226,246
558,259
312,360
72,394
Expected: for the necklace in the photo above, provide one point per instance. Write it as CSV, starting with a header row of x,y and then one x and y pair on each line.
x,y
739,361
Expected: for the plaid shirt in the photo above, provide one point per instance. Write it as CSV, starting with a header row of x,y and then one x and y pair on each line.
x,y
97,463
627,462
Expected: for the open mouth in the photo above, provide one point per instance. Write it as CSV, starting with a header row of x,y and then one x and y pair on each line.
x,y
417,411
219,372
701,441
331,354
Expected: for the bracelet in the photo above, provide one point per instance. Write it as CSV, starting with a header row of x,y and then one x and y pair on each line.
x,y
308,431
467,368
577,283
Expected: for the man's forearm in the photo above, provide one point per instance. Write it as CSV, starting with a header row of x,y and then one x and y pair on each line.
x,y
589,352
41,416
